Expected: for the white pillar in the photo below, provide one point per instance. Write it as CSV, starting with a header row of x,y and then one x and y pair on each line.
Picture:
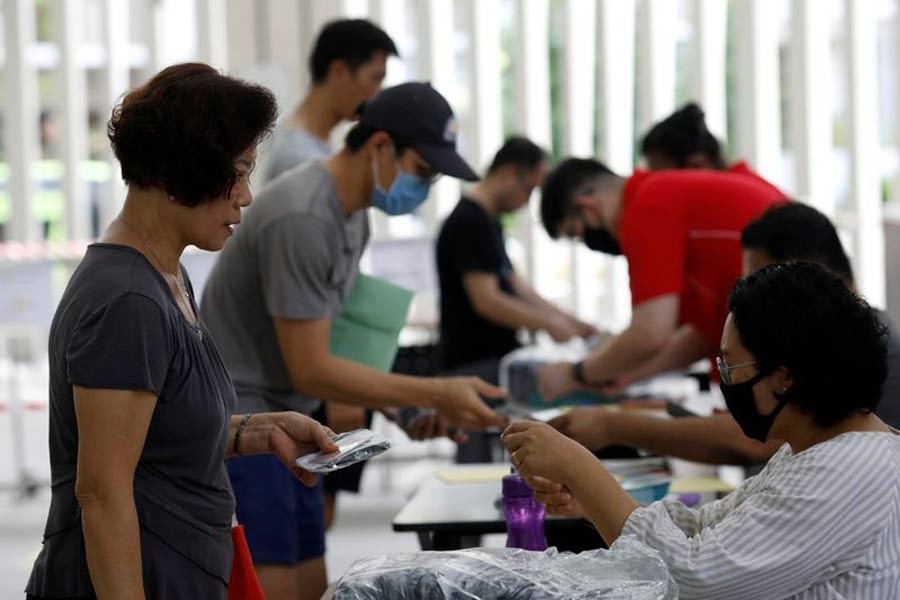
x,y
437,49
285,52
710,33
579,100
578,76
617,67
355,9
865,187
242,30
810,103
116,83
152,18
757,105
21,116
531,70
212,33
616,52
391,16
656,38
324,11
68,17
487,102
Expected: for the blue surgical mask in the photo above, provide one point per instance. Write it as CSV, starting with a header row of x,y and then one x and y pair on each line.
x,y
407,193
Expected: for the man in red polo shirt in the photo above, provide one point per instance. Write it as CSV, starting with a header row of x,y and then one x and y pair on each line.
x,y
681,233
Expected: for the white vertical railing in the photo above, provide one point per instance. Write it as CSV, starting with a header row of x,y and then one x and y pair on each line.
x,y
437,53
710,18
391,16
616,97
353,9
656,39
531,71
579,85
150,12
616,70
578,76
212,33
21,115
757,101
865,190
810,103
116,81
483,21
73,112
286,50
241,34
238,35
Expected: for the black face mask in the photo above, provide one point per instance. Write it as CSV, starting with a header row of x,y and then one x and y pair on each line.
x,y
742,405
600,240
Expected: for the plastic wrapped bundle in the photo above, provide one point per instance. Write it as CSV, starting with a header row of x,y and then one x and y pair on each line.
x,y
353,447
518,375
629,571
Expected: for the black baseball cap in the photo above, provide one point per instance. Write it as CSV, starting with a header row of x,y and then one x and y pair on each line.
x,y
419,116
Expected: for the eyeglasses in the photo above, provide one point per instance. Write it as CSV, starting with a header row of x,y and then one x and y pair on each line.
x,y
725,370
426,173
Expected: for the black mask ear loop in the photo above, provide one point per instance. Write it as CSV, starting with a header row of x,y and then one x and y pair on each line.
x,y
783,399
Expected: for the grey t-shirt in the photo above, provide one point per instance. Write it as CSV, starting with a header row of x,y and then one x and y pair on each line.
x,y
118,327
295,255
292,147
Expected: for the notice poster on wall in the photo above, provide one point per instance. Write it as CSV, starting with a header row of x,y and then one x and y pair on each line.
x,y
27,297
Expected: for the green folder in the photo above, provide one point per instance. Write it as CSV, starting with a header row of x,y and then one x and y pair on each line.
x,y
367,329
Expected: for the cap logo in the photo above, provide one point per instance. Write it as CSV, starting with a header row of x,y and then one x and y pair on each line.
x,y
450,130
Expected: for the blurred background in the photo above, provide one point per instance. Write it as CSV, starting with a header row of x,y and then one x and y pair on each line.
x,y
805,90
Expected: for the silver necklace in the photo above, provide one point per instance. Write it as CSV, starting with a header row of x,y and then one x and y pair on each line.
x,y
177,280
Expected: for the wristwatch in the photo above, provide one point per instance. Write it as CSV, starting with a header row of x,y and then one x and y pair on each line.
x,y
578,372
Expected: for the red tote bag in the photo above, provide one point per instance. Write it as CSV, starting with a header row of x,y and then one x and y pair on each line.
x,y
243,584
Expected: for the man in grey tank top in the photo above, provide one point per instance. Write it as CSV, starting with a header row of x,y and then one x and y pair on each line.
x,y
347,66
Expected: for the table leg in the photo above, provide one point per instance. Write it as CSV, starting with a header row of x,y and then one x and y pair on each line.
x,y
425,540
440,540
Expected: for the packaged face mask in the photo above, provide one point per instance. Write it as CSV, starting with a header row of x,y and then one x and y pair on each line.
x,y
354,446
410,417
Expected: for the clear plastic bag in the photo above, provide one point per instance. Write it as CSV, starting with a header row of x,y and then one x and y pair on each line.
x,y
518,375
629,571
354,446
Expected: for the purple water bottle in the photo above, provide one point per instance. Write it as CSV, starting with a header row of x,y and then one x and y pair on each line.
x,y
524,515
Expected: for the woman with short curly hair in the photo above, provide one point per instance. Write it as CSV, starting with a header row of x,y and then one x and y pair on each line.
x,y
802,360
140,401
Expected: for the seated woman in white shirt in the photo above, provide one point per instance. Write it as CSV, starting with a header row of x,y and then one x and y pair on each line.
x,y
802,360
